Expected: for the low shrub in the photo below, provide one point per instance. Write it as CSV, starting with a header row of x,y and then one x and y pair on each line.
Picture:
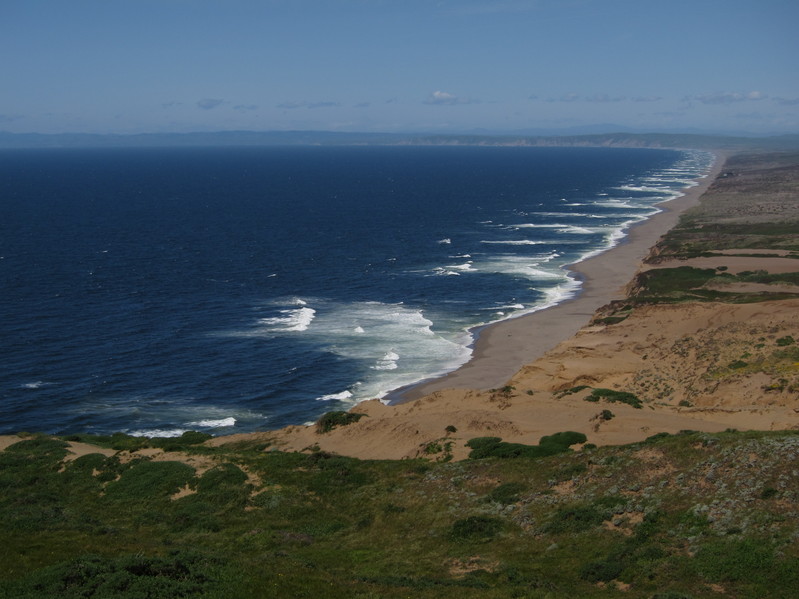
x,y
331,420
603,571
575,518
507,493
476,528
180,574
148,481
614,396
495,447
563,439
186,439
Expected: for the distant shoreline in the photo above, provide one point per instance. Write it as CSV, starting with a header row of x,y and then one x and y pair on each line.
x,y
501,349
617,139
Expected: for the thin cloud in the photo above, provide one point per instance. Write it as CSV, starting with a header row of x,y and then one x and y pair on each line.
x,y
604,98
245,107
210,103
323,105
647,98
566,98
787,101
309,105
446,99
596,98
729,97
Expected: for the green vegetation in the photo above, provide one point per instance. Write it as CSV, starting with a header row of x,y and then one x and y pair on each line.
x,y
123,442
240,522
494,447
606,415
331,420
615,397
686,283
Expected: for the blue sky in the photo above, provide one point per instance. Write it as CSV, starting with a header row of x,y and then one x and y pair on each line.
x,y
132,66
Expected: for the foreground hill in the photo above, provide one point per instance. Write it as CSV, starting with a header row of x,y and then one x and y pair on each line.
x,y
692,515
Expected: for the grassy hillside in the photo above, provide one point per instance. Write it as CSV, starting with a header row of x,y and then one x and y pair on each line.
x,y
690,515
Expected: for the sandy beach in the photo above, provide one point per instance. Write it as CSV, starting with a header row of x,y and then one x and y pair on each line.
x,y
502,348
695,365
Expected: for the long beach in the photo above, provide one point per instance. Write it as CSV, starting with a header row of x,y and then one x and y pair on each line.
x,y
501,349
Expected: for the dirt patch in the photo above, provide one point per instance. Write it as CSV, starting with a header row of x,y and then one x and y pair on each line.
x,y
461,567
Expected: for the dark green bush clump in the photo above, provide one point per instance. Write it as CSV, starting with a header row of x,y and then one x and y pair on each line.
x,y
615,397
331,420
603,571
747,561
507,493
495,447
123,442
149,481
575,518
128,577
476,528
665,281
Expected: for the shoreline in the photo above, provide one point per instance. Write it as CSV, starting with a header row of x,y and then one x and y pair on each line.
x,y
503,348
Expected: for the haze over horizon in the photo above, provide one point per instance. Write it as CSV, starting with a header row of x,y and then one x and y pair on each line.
x,y
175,66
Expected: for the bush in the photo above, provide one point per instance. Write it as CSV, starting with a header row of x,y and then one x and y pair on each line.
x,y
563,439
147,481
575,518
224,484
603,571
787,340
495,447
127,577
507,493
615,397
476,528
331,420
746,560
186,439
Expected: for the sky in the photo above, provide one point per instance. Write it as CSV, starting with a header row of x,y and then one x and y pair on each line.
x,y
404,66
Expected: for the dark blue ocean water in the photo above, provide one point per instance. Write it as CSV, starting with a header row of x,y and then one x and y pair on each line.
x,y
153,291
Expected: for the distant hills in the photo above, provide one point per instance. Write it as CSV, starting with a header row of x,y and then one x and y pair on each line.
x,y
293,138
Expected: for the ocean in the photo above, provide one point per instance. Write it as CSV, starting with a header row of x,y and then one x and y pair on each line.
x,y
154,291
